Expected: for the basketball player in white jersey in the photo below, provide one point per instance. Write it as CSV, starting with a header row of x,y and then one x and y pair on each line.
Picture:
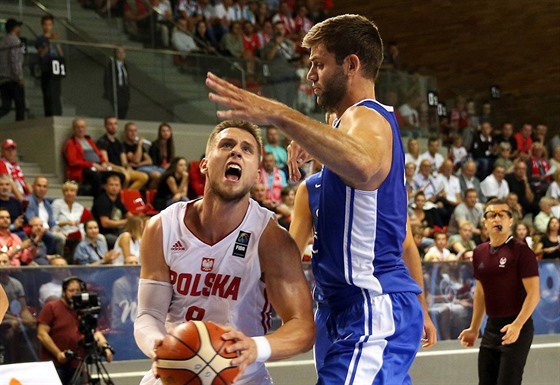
x,y
373,319
225,259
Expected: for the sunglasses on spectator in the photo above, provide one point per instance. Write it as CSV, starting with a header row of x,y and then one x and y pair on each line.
x,y
502,214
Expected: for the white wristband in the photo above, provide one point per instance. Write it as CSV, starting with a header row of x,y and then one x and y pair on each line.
x,y
263,349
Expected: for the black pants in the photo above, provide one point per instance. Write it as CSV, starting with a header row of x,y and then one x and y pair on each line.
x,y
503,364
51,87
12,91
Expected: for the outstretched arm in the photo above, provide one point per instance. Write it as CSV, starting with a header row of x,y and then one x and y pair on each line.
x,y
411,258
301,227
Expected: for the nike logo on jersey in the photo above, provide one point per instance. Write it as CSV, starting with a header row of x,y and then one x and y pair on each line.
x,y
317,185
178,246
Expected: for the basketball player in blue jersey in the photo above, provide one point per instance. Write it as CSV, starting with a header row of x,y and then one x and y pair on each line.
x,y
373,318
225,259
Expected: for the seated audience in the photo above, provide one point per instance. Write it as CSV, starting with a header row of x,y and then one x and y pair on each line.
x,y
512,201
272,178
504,158
67,212
450,196
458,153
14,206
439,252
258,193
522,232
548,246
181,38
113,150
482,151
204,38
37,248
128,243
538,170
162,150
506,136
39,206
468,211
409,172
91,250
413,152
423,217
462,244
109,211
468,178
84,161
197,179
518,183
137,156
173,184
552,192
524,140
495,185
431,185
274,146
554,161
9,166
11,245
543,217
51,290
432,154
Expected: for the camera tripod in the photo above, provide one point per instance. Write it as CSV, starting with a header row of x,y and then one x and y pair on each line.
x,y
91,370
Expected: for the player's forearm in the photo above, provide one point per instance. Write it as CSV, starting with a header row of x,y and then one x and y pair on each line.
x,y
48,343
294,337
478,308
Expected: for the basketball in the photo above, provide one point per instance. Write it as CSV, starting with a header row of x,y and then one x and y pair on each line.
x,y
194,354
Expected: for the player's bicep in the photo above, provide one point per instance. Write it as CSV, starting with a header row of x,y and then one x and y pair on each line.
x,y
301,227
151,252
286,285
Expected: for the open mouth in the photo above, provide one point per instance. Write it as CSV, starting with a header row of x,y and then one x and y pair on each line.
x,y
233,172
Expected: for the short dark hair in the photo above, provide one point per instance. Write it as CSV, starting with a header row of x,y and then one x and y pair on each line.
x,y
242,125
47,17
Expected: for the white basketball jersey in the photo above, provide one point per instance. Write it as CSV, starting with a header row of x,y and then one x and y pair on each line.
x,y
221,282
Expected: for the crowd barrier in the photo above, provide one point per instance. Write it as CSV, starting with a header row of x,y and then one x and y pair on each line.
x,y
449,290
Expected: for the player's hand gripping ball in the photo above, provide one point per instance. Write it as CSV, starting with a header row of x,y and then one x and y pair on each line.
x,y
194,354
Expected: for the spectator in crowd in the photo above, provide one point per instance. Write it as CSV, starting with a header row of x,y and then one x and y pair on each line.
x,y
538,170
197,179
272,178
439,252
231,43
522,232
67,212
9,165
424,217
37,247
258,193
486,114
474,124
302,22
58,331
548,246
204,38
181,39
524,140
14,206
409,173
251,43
274,146
51,290
92,250
409,113
137,156
11,70
468,211
113,150
506,135
40,206
554,161
462,244
413,153
189,10
539,135
495,185
518,183
173,184
162,150
164,22
482,151
306,97
84,161
512,201
137,18
457,152
280,56
432,154
468,178
504,158
459,119
451,194
51,59
109,211
116,87
284,16
127,245
11,245
552,192
391,58
431,185
262,14
543,217
266,33
18,320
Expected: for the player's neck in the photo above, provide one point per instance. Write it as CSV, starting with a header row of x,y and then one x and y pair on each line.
x,y
497,240
213,219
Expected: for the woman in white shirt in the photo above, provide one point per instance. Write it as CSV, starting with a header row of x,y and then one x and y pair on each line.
x,y
128,243
67,212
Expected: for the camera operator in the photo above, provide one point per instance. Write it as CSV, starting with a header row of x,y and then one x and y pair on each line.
x,y
60,335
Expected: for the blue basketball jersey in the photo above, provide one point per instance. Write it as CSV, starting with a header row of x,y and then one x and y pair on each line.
x,y
359,234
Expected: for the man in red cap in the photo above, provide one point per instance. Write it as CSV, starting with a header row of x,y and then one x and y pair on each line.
x,y
10,166
11,70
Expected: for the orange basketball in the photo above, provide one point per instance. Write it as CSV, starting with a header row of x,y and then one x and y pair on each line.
x,y
194,354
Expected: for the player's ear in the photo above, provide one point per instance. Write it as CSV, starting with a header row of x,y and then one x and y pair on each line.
x,y
203,166
352,63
